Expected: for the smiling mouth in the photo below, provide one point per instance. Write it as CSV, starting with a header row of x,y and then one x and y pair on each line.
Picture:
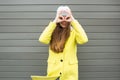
x,y
63,22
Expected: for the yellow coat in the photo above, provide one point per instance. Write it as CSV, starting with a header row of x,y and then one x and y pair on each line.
x,y
64,64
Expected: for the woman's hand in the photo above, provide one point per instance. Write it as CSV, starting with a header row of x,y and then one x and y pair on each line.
x,y
58,18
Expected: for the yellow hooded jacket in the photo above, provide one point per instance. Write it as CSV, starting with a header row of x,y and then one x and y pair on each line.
x,y
64,64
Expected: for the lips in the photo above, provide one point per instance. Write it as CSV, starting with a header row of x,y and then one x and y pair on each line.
x,y
64,23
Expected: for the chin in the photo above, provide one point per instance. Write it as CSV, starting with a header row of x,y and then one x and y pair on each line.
x,y
63,26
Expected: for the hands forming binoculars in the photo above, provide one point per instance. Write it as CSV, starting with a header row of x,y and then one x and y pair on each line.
x,y
63,15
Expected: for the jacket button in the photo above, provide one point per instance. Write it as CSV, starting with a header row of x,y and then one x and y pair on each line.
x,y
61,60
60,73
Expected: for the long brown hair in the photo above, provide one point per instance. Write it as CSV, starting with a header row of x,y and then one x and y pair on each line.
x,y
59,38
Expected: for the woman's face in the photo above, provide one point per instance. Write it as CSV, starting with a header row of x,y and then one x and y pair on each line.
x,y
64,18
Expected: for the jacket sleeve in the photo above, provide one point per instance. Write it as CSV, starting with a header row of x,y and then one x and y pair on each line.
x,y
45,36
80,34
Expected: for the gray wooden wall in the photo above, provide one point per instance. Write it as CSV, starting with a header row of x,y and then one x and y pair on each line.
x,y
22,21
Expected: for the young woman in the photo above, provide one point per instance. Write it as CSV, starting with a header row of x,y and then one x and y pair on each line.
x,y
63,34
